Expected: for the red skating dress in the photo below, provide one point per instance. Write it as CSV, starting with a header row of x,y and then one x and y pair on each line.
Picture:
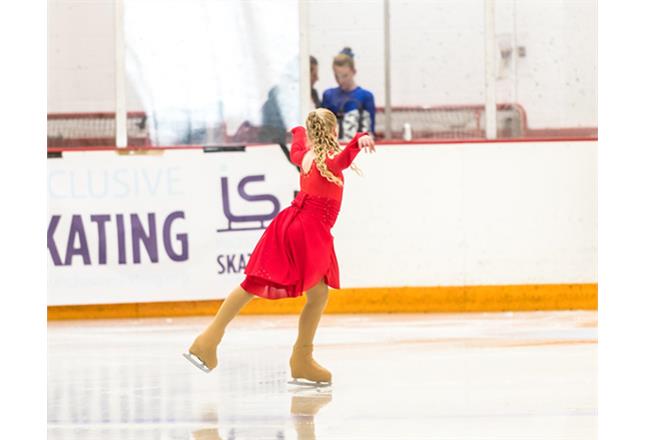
x,y
296,250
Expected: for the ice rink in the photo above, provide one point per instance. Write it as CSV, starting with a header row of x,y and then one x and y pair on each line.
x,y
529,375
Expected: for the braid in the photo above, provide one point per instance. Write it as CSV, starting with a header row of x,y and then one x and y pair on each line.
x,y
324,145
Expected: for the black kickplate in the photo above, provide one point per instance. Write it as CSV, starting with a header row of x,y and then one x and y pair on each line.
x,y
223,149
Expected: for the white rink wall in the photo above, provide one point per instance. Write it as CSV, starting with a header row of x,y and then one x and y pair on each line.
x,y
492,213
422,215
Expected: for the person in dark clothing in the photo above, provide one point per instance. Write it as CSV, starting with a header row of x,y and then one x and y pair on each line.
x,y
273,128
313,77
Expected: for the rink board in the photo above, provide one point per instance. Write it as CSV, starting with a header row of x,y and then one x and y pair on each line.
x,y
179,226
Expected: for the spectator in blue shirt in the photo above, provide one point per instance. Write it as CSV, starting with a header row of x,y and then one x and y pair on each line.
x,y
353,106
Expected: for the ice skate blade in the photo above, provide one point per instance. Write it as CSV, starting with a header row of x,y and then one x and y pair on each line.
x,y
197,362
307,383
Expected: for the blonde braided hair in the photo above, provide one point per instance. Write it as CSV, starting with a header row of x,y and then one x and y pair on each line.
x,y
320,131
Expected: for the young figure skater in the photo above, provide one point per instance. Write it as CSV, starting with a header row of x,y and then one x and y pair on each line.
x,y
296,251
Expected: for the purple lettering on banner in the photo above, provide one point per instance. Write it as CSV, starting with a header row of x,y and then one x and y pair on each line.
x,y
139,236
182,238
242,263
120,234
100,224
77,229
221,265
51,244
246,218
230,259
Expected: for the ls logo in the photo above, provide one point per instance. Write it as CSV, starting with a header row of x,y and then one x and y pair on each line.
x,y
244,220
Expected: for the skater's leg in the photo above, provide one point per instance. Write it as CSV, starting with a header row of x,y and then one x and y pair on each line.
x,y
311,313
301,362
205,345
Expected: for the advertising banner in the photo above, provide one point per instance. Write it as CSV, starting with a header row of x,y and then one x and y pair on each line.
x,y
180,225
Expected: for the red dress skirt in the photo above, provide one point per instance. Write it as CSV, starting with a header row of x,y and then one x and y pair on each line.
x,y
296,251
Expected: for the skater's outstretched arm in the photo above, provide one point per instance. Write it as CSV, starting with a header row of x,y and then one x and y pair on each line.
x,y
298,146
345,158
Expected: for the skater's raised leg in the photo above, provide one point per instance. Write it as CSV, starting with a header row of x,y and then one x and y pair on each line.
x,y
302,363
205,345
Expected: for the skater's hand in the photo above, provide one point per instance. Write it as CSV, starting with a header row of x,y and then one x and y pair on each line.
x,y
366,143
